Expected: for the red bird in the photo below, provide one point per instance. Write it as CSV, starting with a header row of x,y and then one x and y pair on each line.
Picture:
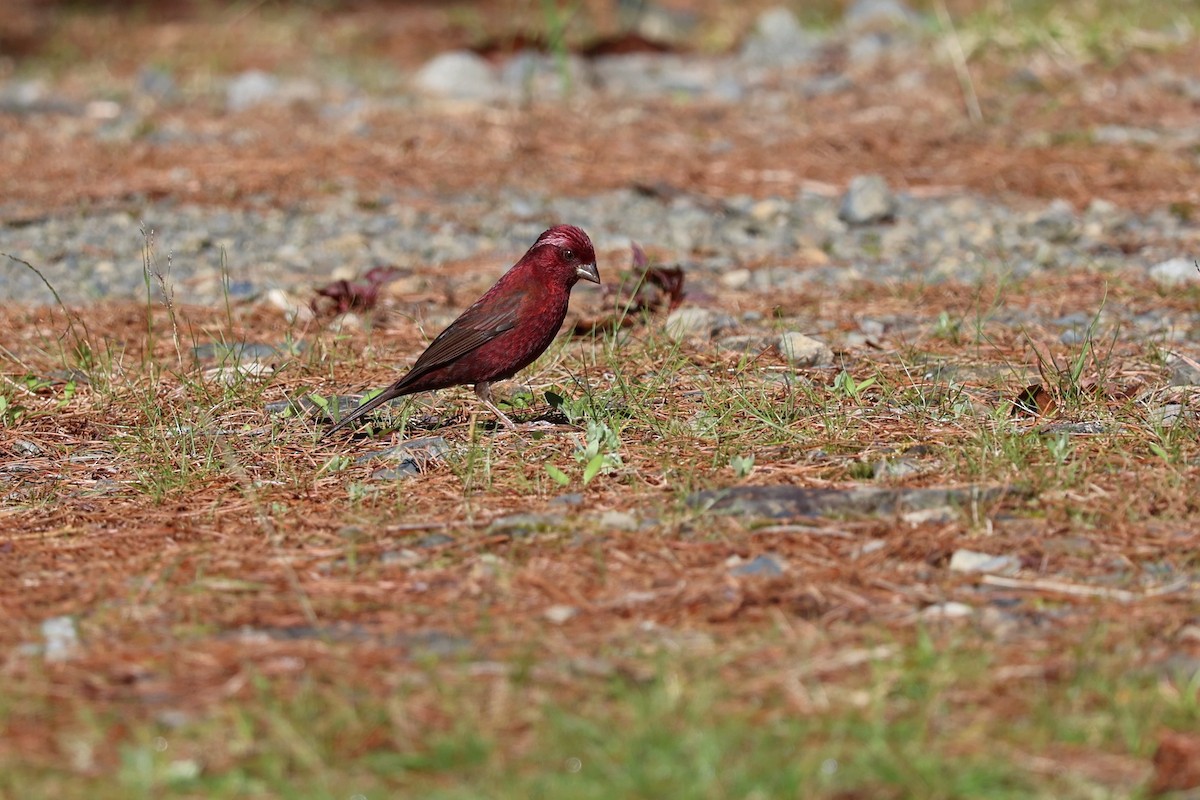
x,y
506,329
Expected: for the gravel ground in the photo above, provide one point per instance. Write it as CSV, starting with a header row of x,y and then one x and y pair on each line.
x,y
770,244
777,243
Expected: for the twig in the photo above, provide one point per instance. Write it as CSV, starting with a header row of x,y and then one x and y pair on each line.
x,y
71,318
960,64
1083,590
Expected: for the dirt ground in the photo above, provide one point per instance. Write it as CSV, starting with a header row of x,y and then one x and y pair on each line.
x,y
198,581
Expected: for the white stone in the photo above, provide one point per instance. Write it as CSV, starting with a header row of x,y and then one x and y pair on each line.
x,y
458,75
1176,272
804,351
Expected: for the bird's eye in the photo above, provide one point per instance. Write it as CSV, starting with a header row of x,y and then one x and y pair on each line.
x,y
569,254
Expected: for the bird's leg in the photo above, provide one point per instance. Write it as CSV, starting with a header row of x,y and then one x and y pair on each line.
x,y
483,391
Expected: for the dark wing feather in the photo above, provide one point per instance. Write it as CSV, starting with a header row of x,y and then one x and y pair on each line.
x,y
474,328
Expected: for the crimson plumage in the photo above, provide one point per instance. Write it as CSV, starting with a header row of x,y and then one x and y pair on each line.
x,y
505,330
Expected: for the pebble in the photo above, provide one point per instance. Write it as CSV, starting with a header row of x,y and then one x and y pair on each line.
x,y
292,252
559,614
458,75
60,638
804,351
950,610
690,322
763,566
250,89
1184,372
618,521
1175,272
879,15
867,200
781,502
779,39
412,457
972,561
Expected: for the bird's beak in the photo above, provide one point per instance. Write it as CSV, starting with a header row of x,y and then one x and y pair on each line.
x,y
588,272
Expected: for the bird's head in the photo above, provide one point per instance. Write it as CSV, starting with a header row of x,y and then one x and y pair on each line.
x,y
566,252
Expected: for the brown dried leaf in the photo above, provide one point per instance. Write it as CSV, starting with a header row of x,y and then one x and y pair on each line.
x,y
646,287
1176,762
358,295
1034,401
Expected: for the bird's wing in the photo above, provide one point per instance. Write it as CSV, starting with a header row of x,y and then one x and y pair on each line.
x,y
477,326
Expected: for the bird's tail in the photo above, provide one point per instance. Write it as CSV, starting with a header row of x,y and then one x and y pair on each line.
x,y
366,408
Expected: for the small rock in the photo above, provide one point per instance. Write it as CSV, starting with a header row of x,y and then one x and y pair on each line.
x,y
688,322
779,40
400,558
293,310
867,200
250,89
1057,224
61,638
413,457
804,351
748,343
895,468
1183,373
559,614
434,540
1167,416
458,75
25,447
923,516
972,561
736,279
1084,428
156,82
1176,272
879,15
1125,135
618,521
781,502
769,210
764,566
950,610
521,525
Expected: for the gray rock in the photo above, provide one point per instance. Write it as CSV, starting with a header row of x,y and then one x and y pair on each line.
x,y
782,502
560,614
1057,223
764,566
60,637
1124,135
1183,373
1089,427
867,200
521,525
156,82
879,15
972,561
804,351
434,540
948,610
1167,416
540,75
458,75
688,322
895,468
27,448
1175,272
618,521
779,40
412,457
250,89
749,343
